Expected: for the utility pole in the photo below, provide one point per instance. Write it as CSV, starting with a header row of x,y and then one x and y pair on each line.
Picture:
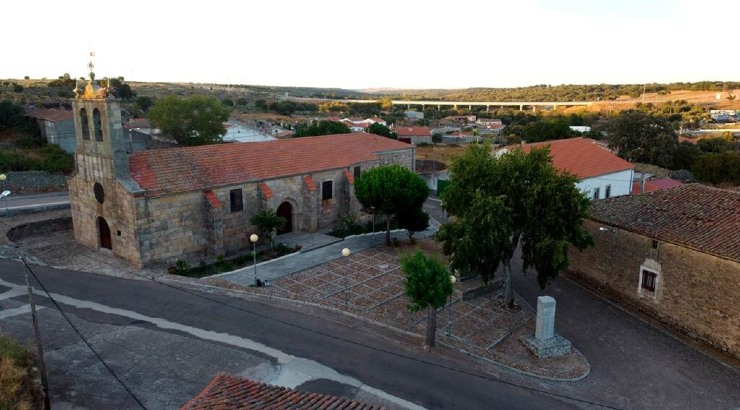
x,y
39,347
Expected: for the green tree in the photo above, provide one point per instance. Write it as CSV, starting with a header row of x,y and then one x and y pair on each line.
x,y
718,168
501,202
194,120
640,137
427,285
713,145
390,190
144,103
413,220
382,130
322,128
266,221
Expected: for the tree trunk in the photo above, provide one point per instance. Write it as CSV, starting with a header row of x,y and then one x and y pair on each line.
x,y
387,230
431,328
508,294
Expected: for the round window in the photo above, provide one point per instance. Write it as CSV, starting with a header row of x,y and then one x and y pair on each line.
x,y
99,192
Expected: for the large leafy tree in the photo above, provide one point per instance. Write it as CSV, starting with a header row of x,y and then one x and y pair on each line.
x,y
194,120
427,286
267,221
323,127
390,190
641,137
718,168
500,203
382,130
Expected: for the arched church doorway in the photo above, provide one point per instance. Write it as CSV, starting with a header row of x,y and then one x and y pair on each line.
x,y
104,232
286,211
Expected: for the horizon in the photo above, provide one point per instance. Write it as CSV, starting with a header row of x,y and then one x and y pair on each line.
x,y
406,46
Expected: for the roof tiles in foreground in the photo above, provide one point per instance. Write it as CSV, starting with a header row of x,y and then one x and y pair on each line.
x,y
185,169
692,215
230,392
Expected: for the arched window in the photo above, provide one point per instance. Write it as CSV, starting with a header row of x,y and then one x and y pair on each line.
x,y
84,124
97,125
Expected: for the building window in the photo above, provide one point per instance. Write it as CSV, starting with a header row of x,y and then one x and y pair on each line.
x,y
596,193
608,191
99,192
235,197
649,280
327,190
97,125
655,244
84,125
357,172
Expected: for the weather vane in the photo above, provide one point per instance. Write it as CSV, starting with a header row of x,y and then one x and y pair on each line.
x,y
90,65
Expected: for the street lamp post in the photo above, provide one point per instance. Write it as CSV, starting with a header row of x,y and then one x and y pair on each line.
x,y
345,254
254,238
3,177
453,279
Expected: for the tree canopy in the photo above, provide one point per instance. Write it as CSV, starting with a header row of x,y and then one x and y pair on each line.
x,y
427,285
640,137
382,130
390,190
194,120
498,203
323,127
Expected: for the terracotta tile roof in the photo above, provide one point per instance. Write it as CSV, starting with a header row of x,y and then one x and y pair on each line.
x,y
230,392
51,114
350,177
266,191
137,123
412,131
692,215
309,182
582,157
655,184
194,168
212,199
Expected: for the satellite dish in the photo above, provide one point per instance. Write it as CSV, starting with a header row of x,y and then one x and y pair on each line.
x,y
4,194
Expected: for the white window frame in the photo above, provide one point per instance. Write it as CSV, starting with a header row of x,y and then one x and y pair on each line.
x,y
646,292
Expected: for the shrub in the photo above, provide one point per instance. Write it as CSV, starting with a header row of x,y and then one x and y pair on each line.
x,y
56,160
18,389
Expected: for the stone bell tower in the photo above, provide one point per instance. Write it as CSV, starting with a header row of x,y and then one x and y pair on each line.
x,y
101,189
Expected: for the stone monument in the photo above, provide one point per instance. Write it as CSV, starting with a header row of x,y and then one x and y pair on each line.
x,y
545,342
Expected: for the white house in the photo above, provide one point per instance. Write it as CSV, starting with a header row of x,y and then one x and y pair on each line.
x,y
601,173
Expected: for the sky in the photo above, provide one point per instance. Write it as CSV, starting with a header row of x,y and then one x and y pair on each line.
x,y
380,44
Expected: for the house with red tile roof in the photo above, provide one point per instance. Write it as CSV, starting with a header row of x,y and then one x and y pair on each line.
x,y
672,253
190,202
57,126
230,392
650,185
602,174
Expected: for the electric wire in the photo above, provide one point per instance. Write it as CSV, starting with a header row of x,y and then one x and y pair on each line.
x,y
285,323
79,334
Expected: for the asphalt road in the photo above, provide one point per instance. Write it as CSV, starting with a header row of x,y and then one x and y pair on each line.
x,y
165,344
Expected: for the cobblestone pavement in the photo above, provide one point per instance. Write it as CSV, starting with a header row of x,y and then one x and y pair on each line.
x,y
369,284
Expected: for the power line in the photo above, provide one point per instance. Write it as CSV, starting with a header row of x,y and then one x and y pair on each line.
x,y
79,334
285,323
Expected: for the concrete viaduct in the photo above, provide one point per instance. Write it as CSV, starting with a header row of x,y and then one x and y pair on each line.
x,y
487,104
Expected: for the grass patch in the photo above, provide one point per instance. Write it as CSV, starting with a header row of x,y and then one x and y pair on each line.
x,y
18,389
223,264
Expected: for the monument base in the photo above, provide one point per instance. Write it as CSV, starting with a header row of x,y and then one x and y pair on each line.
x,y
552,347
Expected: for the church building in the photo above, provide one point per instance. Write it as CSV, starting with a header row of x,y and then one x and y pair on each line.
x,y
195,202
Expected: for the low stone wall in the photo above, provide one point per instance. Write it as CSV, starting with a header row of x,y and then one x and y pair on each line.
x,y
40,228
32,182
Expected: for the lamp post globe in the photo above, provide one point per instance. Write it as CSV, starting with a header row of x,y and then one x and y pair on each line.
x,y
345,253
254,238
453,279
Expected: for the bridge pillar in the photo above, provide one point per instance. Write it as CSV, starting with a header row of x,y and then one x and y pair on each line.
x,y
470,107
454,106
521,107
555,107
408,106
488,108
534,108
439,107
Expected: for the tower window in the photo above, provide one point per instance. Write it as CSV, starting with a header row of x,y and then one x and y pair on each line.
x,y
99,192
97,125
84,124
